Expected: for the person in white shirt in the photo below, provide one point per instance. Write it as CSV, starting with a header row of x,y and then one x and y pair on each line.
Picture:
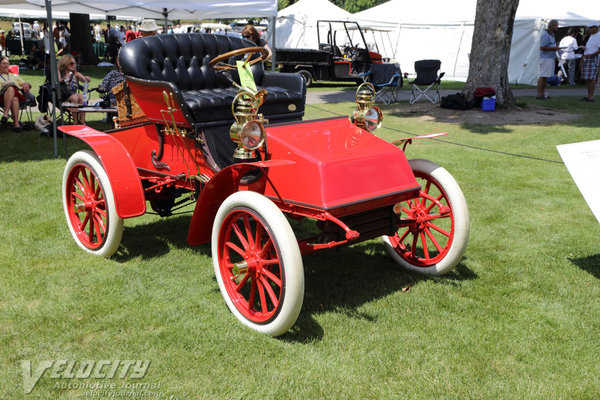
x,y
589,64
97,32
36,29
121,36
568,46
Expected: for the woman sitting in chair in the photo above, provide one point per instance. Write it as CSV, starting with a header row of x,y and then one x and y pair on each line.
x,y
13,91
69,79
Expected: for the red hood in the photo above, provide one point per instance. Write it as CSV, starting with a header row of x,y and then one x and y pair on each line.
x,y
336,164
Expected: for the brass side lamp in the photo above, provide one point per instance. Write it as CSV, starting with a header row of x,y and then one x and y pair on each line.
x,y
366,116
248,130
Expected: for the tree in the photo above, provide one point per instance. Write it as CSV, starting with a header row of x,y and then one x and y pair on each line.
x,y
281,4
81,38
490,49
354,6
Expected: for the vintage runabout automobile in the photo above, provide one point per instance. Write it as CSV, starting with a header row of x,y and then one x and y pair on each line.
x,y
190,133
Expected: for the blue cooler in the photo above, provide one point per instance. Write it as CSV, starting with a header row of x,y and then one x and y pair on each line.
x,y
488,104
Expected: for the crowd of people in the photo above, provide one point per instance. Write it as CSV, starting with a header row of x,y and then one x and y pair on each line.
x,y
578,50
14,91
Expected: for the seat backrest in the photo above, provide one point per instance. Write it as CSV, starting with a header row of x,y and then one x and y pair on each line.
x,y
383,73
181,59
13,69
427,71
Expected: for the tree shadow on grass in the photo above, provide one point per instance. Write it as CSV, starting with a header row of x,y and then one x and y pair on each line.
x,y
30,145
591,264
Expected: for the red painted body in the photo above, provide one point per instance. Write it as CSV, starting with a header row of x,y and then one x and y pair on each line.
x,y
337,166
151,100
324,170
119,166
226,182
375,57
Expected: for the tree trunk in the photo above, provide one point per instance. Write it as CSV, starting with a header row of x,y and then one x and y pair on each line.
x,y
490,50
81,38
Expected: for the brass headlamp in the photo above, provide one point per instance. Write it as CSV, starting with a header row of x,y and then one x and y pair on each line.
x,y
248,130
366,116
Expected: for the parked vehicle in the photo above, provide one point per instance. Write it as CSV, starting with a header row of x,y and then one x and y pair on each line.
x,y
16,29
351,185
343,54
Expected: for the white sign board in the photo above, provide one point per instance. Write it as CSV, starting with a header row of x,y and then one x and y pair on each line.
x,y
583,163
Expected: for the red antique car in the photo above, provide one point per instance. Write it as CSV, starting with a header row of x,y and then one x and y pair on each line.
x,y
246,188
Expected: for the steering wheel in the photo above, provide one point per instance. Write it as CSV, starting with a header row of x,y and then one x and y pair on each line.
x,y
349,50
218,63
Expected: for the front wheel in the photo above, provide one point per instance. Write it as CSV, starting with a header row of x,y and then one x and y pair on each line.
x,y
434,228
257,263
89,205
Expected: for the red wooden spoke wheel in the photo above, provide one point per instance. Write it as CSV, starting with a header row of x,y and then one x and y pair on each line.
x,y
250,266
257,263
434,228
89,205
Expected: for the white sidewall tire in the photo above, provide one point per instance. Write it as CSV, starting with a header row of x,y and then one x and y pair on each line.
x,y
290,260
461,221
115,223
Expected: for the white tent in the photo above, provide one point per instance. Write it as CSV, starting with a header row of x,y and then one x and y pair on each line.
x,y
443,30
531,21
297,24
174,9
39,13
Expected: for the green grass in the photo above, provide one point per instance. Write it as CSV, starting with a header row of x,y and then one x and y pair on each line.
x,y
519,318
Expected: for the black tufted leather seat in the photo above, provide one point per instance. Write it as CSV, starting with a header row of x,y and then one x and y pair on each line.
x,y
179,63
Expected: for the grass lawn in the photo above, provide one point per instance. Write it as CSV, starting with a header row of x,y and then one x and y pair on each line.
x,y
519,318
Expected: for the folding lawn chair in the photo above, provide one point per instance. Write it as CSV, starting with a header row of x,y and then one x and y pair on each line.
x,y
25,113
427,77
45,104
387,80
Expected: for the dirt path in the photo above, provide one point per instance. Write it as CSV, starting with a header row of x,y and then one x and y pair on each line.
x,y
532,114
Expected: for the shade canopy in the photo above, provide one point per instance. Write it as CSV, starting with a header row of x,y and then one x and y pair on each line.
x,y
188,9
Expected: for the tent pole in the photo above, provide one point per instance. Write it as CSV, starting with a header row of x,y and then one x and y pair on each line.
x,y
53,77
22,35
165,14
532,51
274,55
462,34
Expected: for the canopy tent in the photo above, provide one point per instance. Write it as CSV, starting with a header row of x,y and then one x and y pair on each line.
x,y
297,24
436,29
443,30
178,9
200,9
39,13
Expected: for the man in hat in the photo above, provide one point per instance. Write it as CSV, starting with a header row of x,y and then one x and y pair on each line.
x,y
589,62
148,27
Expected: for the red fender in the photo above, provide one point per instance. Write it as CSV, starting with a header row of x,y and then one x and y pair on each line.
x,y
223,184
119,166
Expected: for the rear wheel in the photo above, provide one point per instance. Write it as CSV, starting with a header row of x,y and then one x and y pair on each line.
x,y
89,205
257,263
434,228
307,76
